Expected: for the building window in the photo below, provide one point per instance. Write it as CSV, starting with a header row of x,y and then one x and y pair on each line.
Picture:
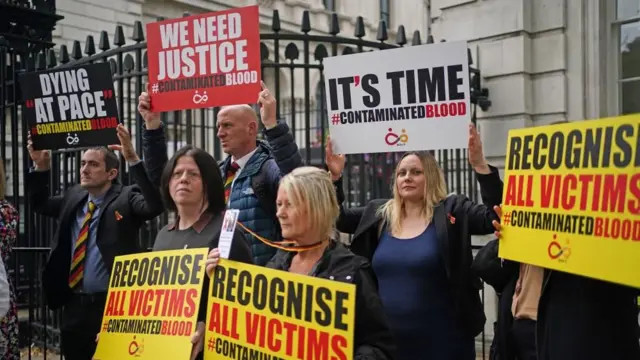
x,y
330,5
627,28
384,12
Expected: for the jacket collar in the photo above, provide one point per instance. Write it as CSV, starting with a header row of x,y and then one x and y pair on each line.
x,y
198,226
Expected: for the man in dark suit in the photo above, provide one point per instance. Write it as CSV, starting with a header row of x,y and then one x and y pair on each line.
x,y
98,220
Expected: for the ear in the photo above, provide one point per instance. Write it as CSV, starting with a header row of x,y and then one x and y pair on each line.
x,y
113,173
253,127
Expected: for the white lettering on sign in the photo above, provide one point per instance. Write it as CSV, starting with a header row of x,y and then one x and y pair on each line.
x,y
62,82
72,94
81,106
218,47
44,110
174,35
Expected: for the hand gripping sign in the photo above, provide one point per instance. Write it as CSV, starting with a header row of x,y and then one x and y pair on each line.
x,y
152,305
571,198
204,60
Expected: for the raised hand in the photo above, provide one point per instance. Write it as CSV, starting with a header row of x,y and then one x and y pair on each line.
x,y
41,158
267,107
335,162
126,146
476,154
151,119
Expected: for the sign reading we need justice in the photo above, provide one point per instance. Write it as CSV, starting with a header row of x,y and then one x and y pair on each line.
x,y
413,98
204,60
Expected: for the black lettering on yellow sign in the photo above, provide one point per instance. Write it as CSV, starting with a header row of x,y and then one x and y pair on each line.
x,y
592,148
316,304
158,271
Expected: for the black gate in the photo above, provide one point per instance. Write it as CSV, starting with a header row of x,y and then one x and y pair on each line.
x,y
292,68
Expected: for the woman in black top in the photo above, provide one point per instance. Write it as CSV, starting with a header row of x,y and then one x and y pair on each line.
x,y
307,210
193,190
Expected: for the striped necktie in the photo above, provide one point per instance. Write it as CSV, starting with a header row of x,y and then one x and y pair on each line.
x,y
231,174
80,249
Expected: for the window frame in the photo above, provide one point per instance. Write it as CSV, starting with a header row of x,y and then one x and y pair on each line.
x,y
385,15
329,5
615,83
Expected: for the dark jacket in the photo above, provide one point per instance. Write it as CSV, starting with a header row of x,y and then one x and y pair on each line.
x,y
274,159
117,234
454,240
578,317
373,339
502,276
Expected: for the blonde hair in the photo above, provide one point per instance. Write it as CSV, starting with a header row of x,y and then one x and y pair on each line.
x,y
435,190
3,181
311,190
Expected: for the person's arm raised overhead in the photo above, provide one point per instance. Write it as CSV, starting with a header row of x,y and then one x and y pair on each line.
x,y
277,133
154,142
480,215
349,217
38,192
145,200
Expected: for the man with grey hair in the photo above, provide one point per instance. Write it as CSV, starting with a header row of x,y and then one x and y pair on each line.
x,y
253,168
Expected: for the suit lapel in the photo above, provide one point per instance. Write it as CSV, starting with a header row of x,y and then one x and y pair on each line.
x,y
112,194
440,221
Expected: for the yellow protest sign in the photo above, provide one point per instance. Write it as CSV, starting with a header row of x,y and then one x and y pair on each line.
x,y
260,313
152,305
572,198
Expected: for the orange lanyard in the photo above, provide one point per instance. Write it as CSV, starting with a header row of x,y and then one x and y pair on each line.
x,y
286,245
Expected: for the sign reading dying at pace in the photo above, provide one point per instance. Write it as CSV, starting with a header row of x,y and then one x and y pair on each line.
x,y
70,107
412,98
260,313
572,198
152,305
205,60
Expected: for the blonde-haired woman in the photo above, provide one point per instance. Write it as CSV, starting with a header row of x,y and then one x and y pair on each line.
x,y
419,244
307,211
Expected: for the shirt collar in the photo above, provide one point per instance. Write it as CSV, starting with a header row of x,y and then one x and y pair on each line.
x,y
198,226
97,199
245,159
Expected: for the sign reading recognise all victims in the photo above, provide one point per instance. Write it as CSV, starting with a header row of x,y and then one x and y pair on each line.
x,y
579,183
413,98
70,107
204,60
153,299
257,313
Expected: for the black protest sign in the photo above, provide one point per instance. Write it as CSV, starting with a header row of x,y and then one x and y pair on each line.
x,y
70,107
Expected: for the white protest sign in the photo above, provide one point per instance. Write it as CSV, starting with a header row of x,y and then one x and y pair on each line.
x,y
226,233
411,98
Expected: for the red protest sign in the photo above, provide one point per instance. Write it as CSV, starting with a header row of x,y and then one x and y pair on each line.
x,y
204,60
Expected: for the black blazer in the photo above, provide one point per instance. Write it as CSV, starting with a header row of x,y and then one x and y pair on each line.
x,y
454,241
117,235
